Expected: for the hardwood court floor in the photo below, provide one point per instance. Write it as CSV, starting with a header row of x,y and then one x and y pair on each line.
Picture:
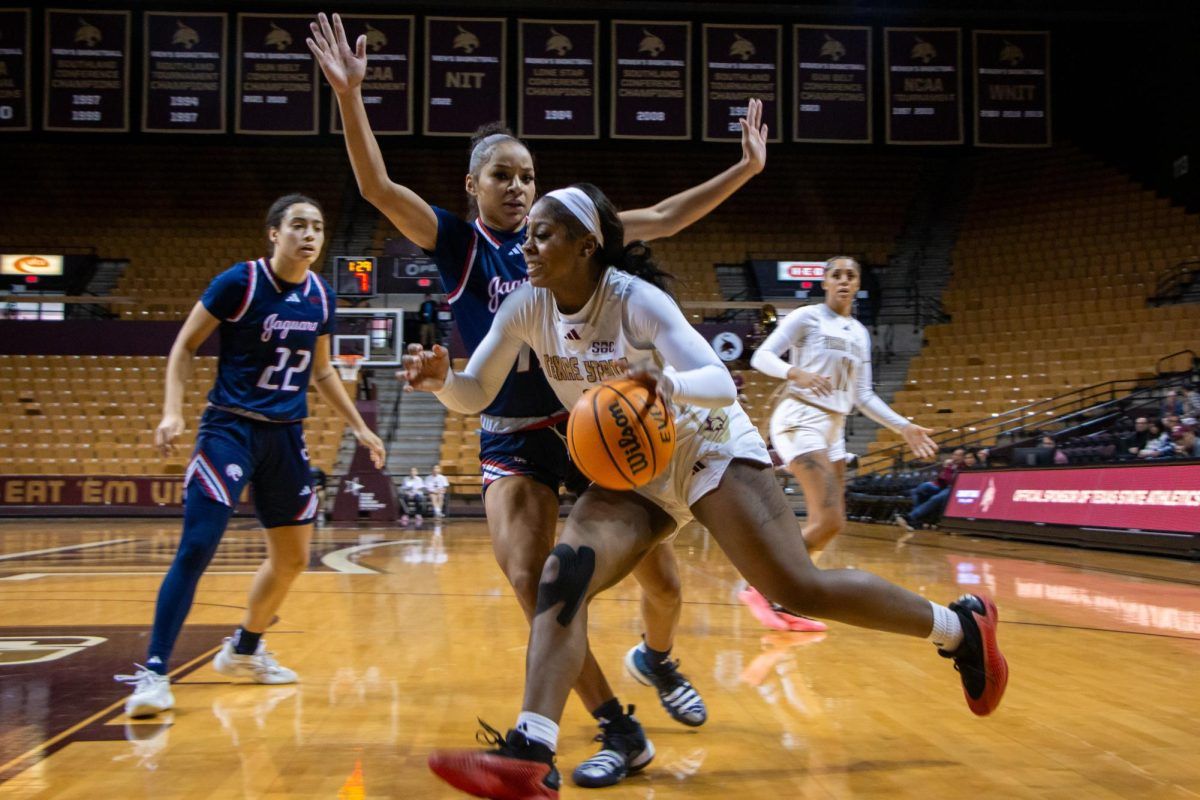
x,y
402,641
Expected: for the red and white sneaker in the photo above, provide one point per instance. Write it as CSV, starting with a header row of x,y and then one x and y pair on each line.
x,y
980,664
517,769
760,607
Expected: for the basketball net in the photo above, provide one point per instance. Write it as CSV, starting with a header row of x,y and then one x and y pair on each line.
x,y
348,366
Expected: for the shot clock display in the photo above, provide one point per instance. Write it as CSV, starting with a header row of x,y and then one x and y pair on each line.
x,y
354,277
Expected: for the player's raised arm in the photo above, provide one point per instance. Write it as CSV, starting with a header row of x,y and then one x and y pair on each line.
x,y
199,326
345,68
671,215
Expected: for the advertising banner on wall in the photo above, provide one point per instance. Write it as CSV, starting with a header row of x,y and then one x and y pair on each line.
x,y
87,70
464,74
832,84
15,67
1012,88
387,88
651,80
923,85
183,72
741,62
559,85
276,77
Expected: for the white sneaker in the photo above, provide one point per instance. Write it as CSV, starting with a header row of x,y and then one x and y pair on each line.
x,y
260,667
151,692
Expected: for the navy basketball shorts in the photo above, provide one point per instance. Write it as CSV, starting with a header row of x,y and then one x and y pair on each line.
x,y
232,451
540,454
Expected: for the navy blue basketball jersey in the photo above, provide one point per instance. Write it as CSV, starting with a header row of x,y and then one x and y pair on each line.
x,y
269,331
479,268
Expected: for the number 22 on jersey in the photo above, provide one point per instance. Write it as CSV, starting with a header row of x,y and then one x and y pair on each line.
x,y
285,355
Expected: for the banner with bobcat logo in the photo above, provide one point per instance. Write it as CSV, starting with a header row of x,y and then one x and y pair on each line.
x,y
832,88
276,77
1012,88
651,80
387,87
183,73
15,66
464,74
923,85
741,62
87,70
559,84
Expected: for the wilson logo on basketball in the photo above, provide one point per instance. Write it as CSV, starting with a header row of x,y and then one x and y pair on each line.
x,y
621,435
31,264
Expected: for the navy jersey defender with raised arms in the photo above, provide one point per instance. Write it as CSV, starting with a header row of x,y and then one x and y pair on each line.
x,y
268,332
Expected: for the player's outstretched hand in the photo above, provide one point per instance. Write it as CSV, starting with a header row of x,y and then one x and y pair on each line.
x,y
918,439
344,68
754,136
170,429
368,439
814,381
425,370
650,375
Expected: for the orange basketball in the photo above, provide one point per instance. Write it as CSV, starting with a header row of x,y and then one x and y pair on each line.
x,y
620,436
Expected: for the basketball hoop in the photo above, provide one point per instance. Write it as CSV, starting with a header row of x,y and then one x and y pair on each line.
x,y
348,366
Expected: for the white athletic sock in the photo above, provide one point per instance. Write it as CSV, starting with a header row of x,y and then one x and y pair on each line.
x,y
538,729
947,631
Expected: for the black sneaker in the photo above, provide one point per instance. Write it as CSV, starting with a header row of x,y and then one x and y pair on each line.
x,y
624,750
515,769
980,664
675,692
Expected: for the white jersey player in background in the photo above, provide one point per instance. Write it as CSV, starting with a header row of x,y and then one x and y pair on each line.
x,y
829,374
589,313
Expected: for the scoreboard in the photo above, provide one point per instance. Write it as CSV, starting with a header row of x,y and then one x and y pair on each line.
x,y
355,277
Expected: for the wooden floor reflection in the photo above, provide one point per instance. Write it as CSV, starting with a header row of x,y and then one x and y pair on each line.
x,y
403,637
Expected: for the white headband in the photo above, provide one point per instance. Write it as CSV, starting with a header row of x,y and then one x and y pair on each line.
x,y
581,207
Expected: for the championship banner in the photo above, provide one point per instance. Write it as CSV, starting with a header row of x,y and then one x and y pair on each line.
x,y
276,76
15,40
184,73
464,74
1012,88
923,85
387,87
741,62
651,84
559,86
87,71
832,84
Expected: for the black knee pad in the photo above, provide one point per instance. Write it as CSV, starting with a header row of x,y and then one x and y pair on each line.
x,y
570,587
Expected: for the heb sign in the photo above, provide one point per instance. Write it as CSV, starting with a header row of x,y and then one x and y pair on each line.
x,y
801,270
101,494
1146,498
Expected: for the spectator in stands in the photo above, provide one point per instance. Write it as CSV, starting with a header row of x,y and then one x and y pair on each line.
x,y
930,498
928,489
970,461
436,486
1059,456
1172,405
1191,405
412,498
1136,442
427,315
1158,445
1185,441
983,454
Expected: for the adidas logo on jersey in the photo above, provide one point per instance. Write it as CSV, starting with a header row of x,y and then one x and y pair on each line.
x,y
293,298
572,335
516,250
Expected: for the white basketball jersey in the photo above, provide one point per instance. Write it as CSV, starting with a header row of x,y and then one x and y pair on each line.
x,y
825,342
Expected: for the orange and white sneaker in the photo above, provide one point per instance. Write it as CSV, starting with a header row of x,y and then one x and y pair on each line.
x,y
517,769
798,622
761,608
980,664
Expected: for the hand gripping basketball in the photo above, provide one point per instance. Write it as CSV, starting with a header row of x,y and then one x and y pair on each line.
x,y
621,434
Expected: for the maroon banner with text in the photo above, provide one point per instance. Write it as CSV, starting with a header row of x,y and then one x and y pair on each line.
x,y
87,71
277,86
651,80
464,74
1150,498
94,495
184,73
15,67
559,85
741,62
387,87
832,84
924,85
1012,88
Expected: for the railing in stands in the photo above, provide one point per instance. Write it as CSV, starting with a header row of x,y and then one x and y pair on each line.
x,y
1173,282
1193,367
1061,410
